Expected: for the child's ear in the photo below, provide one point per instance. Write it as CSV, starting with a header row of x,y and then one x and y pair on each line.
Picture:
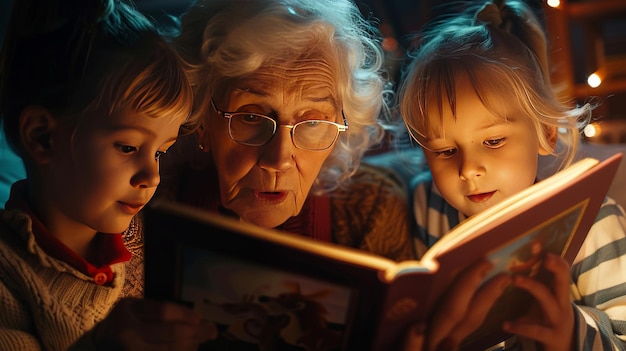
x,y
551,133
36,126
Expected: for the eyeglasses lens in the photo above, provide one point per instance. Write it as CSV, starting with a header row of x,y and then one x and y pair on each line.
x,y
315,135
251,129
256,130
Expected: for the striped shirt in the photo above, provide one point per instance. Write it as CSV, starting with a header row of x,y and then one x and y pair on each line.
x,y
598,288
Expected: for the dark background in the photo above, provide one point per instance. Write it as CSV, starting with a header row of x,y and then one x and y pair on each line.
x,y
592,34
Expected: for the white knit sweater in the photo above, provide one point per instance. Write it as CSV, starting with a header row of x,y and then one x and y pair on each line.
x,y
45,304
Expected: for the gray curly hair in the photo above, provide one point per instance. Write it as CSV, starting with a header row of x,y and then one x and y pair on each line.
x,y
224,40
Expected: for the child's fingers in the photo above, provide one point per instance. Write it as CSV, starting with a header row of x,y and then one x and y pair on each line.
x,y
172,323
556,337
414,338
454,305
141,324
481,305
553,299
176,335
543,295
158,311
207,331
561,271
554,328
169,332
529,330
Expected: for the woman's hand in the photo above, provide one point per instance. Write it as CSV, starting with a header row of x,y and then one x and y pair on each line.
x,y
551,322
141,324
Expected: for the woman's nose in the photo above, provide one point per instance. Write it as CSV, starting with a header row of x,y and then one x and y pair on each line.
x,y
277,154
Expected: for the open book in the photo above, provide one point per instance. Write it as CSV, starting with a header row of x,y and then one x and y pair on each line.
x,y
270,290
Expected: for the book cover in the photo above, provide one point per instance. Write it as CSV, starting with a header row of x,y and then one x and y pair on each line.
x,y
270,290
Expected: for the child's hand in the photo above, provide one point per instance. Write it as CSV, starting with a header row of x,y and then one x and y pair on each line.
x,y
414,338
464,308
141,324
552,324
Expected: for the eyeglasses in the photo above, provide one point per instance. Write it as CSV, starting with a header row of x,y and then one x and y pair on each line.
x,y
254,129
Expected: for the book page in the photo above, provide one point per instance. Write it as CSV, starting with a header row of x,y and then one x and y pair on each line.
x,y
258,305
509,207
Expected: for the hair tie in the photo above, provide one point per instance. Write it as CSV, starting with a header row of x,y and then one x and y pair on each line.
x,y
495,14
489,14
506,21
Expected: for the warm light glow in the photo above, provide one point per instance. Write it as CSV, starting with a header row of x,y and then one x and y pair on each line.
x,y
553,3
594,80
590,130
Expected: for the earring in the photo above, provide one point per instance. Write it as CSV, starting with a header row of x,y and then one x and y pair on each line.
x,y
201,147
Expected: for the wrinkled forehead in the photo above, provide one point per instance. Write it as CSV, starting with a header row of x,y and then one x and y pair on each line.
x,y
300,79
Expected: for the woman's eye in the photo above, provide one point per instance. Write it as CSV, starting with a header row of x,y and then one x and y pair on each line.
x,y
249,118
126,149
493,142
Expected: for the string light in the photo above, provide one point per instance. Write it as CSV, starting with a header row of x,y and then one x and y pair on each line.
x,y
590,130
594,80
553,3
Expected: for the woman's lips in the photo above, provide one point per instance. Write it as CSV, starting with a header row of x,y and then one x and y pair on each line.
x,y
272,197
482,197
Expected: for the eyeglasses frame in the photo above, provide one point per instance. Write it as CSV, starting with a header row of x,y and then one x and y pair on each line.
x,y
229,115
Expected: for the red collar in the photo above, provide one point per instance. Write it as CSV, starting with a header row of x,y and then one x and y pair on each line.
x,y
111,247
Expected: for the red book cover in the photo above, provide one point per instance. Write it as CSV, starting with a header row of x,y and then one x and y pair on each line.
x,y
269,290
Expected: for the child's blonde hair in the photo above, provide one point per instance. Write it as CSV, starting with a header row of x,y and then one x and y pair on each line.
x,y
501,49
76,57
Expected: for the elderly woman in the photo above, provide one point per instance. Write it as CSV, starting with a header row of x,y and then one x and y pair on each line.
x,y
289,95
